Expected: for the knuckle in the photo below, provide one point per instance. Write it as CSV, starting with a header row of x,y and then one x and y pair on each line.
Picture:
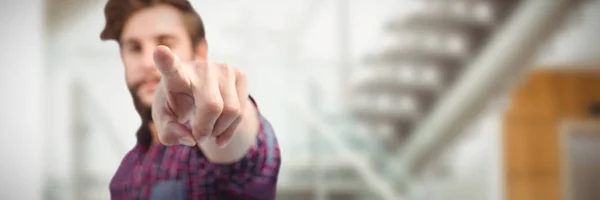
x,y
213,106
200,64
240,74
226,69
232,110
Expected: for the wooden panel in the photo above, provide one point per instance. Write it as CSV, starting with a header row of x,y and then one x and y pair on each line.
x,y
516,146
531,141
535,97
532,144
534,185
519,189
547,187
570,91
576,90
533,165
591,85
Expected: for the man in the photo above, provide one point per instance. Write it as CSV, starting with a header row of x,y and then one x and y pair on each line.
x,y
201,135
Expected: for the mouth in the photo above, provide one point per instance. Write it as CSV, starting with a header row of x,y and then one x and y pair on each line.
x,y
147,88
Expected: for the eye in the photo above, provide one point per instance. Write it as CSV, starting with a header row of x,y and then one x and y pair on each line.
x,y
135,48
167,43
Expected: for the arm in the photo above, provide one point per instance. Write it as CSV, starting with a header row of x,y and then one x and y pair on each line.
x,y
255,175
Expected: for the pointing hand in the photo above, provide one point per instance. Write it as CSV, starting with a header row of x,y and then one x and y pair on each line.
x,y
197,100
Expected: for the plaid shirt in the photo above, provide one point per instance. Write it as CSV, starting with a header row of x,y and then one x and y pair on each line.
x,y
182,172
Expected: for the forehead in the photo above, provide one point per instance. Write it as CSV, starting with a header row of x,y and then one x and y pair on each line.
x,y
152,22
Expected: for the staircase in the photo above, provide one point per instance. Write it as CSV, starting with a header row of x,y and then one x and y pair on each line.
x,y
434,45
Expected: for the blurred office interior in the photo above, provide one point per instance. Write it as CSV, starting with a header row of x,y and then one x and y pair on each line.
x,y
371,99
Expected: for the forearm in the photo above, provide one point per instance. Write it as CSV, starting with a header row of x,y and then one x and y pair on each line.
x,y
241,142
255,175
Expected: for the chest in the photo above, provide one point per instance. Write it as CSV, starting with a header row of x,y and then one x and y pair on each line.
x,y
164,173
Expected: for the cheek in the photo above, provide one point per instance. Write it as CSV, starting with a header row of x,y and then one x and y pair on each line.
x,y
131,81
132,74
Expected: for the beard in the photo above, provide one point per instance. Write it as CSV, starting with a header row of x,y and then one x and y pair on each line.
x,y
143,135
143,109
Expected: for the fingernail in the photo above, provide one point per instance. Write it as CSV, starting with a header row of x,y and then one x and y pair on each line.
x,y
188,141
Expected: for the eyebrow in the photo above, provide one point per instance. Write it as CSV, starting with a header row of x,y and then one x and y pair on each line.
x,y
162,37
129,41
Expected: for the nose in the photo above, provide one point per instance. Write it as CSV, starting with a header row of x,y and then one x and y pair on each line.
x,y
148,59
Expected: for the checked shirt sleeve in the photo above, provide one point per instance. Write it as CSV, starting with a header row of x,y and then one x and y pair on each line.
x,y
255,176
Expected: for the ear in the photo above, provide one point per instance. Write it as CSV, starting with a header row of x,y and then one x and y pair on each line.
x,y
201,50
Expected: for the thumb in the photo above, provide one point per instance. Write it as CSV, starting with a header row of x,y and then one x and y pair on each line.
x,y
166,62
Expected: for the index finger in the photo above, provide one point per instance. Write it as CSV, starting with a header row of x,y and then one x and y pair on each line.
x,y
170,66
165,60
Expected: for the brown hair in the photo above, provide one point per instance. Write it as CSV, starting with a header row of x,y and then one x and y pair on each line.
x,y
117,12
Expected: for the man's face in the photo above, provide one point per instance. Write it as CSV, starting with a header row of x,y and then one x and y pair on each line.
x,y
142,33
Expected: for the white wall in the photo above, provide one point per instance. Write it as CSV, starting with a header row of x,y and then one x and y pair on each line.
x,y
20,86
577,42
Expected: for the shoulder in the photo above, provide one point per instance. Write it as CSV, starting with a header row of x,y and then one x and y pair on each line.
x,y
125,168
131,156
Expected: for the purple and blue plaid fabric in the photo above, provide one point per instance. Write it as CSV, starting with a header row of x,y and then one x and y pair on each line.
x,y
253,177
